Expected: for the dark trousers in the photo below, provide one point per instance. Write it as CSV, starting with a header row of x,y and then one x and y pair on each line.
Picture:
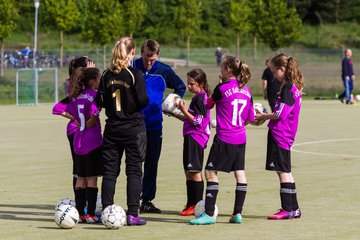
x,y
154,141
134,144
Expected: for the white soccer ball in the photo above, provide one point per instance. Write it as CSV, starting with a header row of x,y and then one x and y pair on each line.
x,y
213,123
259,109
113,217
66,216
65,201
200,208
170,105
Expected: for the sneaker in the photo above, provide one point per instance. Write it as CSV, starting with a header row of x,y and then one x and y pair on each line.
x,y
82,219
131,220
297,213
92,219
188,211
237,218
341,100
149,207
203,219
281,214
349,102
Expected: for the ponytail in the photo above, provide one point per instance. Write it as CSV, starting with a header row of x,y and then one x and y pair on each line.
x,y
120,54
80,79
238,69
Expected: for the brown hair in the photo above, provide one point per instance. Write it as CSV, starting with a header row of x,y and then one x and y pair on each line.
x,y
78,62
237,68
200,77
80,79
150,47
292,70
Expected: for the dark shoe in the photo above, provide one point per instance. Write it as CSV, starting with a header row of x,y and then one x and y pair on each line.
x,y
149,207
349,102
131,220
341,100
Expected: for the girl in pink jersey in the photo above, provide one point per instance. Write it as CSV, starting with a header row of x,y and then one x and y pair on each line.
x,y
196,133
234,109
282,130
60,107
87,139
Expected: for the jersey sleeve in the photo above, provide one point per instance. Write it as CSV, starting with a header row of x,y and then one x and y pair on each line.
x,y
60,107
173,81
141,96
199,110
287,102
216,95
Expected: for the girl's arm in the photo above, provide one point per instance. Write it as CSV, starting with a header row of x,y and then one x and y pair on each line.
x,y
92,121
183,109
266,116
71,117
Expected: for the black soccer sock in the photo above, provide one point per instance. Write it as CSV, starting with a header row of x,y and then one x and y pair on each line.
x,y
295,205
80,200
91,196
240,194
189,192
198,191
212,190
286,196
74,182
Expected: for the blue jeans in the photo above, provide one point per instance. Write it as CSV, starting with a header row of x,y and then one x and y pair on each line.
x,y
348,87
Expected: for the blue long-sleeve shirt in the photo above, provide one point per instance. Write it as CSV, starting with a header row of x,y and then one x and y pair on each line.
x,y
347,67
157,79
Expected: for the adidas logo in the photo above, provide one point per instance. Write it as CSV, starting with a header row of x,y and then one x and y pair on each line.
x,y
189,165
272,164
210,164
209,195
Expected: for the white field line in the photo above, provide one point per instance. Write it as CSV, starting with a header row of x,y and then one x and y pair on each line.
x,y
325,141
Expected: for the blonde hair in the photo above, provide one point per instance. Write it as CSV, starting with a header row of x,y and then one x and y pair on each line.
x,y
237,68
292,70
120,59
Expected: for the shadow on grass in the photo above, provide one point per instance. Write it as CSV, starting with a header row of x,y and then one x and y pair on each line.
x,y
26,215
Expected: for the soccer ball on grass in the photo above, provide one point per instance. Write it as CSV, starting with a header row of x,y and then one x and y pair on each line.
x,y
113,217
66,216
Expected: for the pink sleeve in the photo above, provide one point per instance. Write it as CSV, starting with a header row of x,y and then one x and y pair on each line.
x,y
59,108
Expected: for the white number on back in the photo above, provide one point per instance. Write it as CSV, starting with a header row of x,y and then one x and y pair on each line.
x,y
82,117
237,111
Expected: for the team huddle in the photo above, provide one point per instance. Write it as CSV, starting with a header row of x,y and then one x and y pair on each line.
x,y
131,94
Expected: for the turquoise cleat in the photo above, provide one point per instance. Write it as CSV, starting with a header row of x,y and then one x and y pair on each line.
x,y
237,218
203,219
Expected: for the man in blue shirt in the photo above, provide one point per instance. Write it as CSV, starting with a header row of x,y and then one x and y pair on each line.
x,y
158,76
348,76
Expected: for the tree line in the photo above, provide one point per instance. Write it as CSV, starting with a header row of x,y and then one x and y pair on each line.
x,y
181,23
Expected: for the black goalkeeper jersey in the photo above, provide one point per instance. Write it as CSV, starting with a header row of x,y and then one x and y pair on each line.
x,y
123,96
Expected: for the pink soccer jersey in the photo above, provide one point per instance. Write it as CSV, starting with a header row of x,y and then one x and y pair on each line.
x,y
287,108
86,139
60,108
234,107
200,129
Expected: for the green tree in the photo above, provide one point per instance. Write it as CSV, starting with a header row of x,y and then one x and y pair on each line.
x,y
134,12
64,16
188,19
240,12
279,26
103,23
8,18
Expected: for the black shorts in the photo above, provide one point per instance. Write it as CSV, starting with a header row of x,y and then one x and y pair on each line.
x,y
90,165
226,157
73,155
277,158
193,155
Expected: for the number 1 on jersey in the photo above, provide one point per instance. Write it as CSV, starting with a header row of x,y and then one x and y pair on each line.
x,y
236,118
117,97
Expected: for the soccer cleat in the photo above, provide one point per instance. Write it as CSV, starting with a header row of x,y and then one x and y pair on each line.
x,y
149,207
237,218
82,219
203,219
297,213
92,219
188,211
131,220
281,214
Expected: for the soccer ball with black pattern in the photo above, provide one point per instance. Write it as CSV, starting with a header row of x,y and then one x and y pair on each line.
x,y
65,201
113,217
66,216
